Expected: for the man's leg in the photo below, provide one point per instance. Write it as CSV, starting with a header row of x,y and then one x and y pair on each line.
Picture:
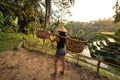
x,y
55,64
63,64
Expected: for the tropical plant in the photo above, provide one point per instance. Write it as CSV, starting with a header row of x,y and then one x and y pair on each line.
x,y
8,24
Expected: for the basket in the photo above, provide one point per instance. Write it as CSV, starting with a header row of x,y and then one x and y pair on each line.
x,y
75,44
43,34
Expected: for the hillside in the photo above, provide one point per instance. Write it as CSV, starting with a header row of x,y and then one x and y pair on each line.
x,y
25,65
106,46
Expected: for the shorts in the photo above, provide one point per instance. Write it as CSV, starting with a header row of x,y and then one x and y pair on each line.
x,y
60,52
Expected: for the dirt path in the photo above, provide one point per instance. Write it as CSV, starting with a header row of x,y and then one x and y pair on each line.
x,y
25,65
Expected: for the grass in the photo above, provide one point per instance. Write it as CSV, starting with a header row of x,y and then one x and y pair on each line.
x,y
9,41
8,44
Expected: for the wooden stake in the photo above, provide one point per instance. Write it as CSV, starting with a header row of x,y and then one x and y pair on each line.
x,y
98,67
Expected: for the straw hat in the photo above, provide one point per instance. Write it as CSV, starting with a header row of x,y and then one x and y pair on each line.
x,y
61,28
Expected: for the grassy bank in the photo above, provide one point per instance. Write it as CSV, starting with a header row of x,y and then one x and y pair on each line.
x,y
9,41
48,48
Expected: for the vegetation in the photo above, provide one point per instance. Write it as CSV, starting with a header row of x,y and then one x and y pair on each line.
x,y
25,10
87,30
9,41
8,24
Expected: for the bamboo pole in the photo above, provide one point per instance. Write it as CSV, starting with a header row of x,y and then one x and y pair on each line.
x,y
69,38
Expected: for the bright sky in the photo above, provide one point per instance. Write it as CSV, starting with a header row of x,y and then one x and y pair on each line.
x,y
89,10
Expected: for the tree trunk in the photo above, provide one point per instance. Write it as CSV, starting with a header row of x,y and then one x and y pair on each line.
x,y
48,13
47,16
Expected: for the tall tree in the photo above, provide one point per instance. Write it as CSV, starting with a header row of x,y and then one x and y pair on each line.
x,y
62,9
48,9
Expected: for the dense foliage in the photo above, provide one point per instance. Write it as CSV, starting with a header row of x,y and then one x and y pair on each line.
x,y
8,24
25,11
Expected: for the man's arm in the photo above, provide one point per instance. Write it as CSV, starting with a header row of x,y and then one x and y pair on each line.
x,y
55,39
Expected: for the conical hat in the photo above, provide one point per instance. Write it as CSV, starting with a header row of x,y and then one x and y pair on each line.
x,y
61,28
